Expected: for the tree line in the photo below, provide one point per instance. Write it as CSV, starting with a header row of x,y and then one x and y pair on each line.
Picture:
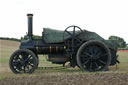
x,y
7,38
120,41
25,37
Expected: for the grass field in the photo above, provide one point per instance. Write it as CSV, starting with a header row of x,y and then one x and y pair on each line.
x,y
57,74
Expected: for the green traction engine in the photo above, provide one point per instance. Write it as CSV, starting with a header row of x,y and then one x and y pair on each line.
x,y
82,48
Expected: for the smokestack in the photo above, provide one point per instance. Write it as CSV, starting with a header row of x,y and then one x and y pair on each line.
x,y
30,26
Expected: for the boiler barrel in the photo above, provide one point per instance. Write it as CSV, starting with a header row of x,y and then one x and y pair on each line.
x,y
50,49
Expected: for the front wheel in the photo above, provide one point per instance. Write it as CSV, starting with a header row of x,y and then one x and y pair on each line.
x,y
23,61
93,56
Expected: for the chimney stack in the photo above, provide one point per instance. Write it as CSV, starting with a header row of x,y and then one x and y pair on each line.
x,y
30,16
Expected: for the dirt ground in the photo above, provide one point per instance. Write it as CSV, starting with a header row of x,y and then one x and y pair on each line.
x,y
75,79
60,76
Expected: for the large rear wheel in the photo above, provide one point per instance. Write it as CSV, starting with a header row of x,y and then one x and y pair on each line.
x,y
93,55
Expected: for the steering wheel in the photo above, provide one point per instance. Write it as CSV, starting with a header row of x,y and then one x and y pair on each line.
x,y
70,36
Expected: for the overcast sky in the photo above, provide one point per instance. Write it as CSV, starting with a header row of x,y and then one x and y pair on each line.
x,y
105,17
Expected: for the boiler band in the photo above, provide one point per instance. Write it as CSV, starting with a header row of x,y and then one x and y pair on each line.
x,y
50,49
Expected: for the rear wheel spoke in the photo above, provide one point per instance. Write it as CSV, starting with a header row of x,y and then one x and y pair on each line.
x,y
102,62
86,58
103,55
87,54
91,66
85,62
96,65
91,50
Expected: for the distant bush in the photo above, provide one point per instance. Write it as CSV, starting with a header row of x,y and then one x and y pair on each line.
x,y
34,37
120,41
123,48
7,38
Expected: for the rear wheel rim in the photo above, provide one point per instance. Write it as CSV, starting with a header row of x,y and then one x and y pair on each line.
x,y
94,57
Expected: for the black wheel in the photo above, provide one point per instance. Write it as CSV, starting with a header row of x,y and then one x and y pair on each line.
x,y
70,36
37,60
23,61
93,55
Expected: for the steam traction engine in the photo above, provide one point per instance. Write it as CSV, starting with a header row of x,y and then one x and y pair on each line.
x,y
81,48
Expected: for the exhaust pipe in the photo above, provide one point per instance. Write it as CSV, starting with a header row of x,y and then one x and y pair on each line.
x,y
30,16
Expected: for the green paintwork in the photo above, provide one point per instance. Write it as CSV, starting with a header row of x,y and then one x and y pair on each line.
x,y
56,36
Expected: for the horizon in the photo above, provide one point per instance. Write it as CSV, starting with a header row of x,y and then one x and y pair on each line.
x,y
41,36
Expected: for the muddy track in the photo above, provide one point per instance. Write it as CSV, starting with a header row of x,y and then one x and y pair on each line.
x,y
63,79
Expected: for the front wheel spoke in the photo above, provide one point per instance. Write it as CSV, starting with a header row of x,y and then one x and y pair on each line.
x,y
23,57
30,64
101,61
19,68
19,58
16,57
29,57
24,68
28,67
31,61
15,62
22,61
